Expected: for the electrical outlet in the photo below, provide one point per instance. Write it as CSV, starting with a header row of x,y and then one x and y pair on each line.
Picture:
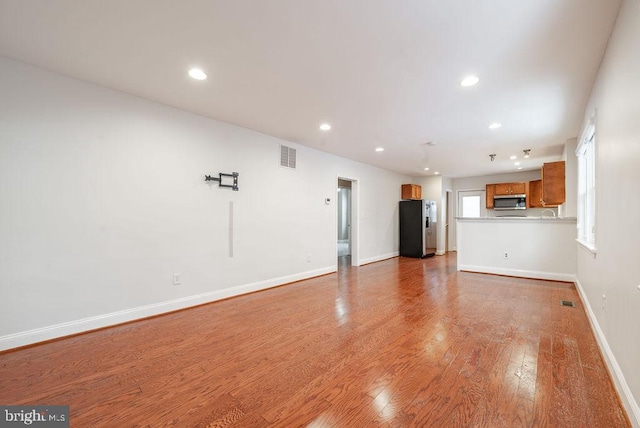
x,y
308,258
176,279
604,302
506,255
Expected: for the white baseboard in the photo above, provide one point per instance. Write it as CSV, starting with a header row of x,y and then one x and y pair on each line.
x,y
628,400
379,258
86,324
553,276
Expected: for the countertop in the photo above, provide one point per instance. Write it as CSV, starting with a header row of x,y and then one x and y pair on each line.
x,y
517,218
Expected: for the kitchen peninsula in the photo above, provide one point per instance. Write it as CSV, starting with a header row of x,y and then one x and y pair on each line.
x,y
530,247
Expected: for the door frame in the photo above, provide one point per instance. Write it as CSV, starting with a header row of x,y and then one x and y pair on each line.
x,y
480,193
448,221
354,216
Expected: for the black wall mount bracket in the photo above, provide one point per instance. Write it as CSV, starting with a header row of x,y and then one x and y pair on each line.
x,y
230,180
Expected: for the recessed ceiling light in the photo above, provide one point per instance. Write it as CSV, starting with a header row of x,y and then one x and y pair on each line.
x,y
513,157
517,163
197,74
436,173
495,125
519,167
379,149
469,81
426,169
325,127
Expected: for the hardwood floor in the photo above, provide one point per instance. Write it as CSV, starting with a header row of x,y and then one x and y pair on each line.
x,y
403,342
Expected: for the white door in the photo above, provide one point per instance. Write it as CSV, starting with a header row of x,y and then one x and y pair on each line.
x,y
471,203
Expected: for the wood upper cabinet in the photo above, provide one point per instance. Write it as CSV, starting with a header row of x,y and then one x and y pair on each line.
x,y
550,191
490,193
510,188
519,188
534,198
501,189
411,191
553,184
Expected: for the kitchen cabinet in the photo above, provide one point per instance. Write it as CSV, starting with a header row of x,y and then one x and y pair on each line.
x,y
510,188
411,191
490,193
553,184
550,191
534,198
501,189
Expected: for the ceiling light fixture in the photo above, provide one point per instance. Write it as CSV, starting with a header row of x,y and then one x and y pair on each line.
x,y
197,74
513,157
469,81
517,163
495,125
379,149
519,167
492,156
436,173
325,127
426,169
526,153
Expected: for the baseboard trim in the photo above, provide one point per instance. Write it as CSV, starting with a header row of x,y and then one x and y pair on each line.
x,y
628,400
56,331
553,276
379,258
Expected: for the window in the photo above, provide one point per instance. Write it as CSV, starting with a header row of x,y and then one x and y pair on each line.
x,y
470,203
586,153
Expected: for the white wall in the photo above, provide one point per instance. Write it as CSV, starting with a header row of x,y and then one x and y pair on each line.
x,y
480,183
343,213
434,189
103,199
445,216
570,207
615,270
536,248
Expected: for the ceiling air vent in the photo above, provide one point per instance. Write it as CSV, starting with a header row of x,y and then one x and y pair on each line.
x,y
287,157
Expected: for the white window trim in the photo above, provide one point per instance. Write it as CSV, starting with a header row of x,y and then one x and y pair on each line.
x,y
589,247
480,192
588,138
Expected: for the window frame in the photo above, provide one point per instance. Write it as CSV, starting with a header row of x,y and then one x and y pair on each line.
x,y
586,153
472,193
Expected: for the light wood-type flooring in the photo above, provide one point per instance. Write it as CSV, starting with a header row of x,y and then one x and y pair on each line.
x,y
402,342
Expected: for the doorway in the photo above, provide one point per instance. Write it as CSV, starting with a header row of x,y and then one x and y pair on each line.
x,y
448,221
347,224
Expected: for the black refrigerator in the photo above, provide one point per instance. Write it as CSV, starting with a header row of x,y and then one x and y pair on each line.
x,y
412,228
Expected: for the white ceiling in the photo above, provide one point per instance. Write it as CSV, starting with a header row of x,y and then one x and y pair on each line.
x,y
381,72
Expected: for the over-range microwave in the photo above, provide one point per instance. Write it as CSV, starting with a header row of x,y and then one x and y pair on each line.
x,y
510,202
